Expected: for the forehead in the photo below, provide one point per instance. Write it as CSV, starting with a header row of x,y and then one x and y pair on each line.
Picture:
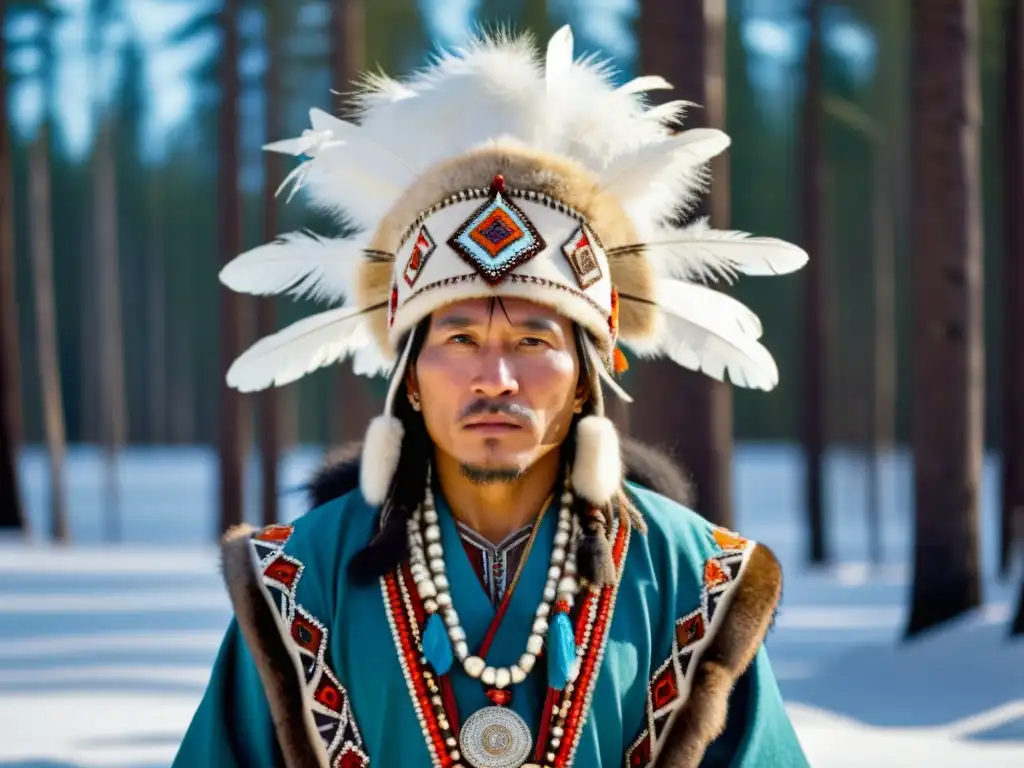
x,y
508,311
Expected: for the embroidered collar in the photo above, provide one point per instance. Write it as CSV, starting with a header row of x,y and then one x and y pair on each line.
x,y
494,563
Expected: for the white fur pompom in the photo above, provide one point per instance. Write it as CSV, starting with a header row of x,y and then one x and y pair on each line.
x,y
597,469
381,449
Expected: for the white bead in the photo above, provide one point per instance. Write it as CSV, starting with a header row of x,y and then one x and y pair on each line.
x,y
441,581
540,627
433,533
444,599
561,538
461,651
489,676
557,556
434,550
549,594
517,674
452,617
430,516
570,566
568,584
554,572
526,662
563,525
427,589
437,565
567,498
457,634
430,606
557,732
535,644
502,678
543,610
474,666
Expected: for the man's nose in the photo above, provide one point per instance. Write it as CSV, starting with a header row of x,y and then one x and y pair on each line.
x,y
495,376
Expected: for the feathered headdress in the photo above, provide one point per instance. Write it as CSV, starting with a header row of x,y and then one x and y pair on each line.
x,y
491,172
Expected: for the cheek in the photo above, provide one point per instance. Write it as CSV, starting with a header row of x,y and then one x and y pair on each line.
x,y
553,378
440,384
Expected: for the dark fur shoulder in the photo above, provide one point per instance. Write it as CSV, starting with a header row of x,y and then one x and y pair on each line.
x,y
644,464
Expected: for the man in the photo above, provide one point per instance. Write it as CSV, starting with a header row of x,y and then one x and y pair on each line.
x,y
494,594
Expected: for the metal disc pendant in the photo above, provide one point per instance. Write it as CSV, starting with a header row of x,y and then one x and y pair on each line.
x,y
495,737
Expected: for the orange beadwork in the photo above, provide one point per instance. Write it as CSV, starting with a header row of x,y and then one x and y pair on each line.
x,y
714,574
619,361
727,539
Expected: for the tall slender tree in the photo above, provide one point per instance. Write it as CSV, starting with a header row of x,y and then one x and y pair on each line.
x,y
11,516
40,214
353,402
268,403
948,373
1012,501
232,430
684,411
812,196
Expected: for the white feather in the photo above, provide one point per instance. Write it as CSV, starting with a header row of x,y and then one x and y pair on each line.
x,y
300,264
669,112
698,252
559,57
299,349
644,84
654,181
697,331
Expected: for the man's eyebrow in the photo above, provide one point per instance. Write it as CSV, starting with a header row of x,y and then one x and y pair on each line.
x,y
452,321
544,324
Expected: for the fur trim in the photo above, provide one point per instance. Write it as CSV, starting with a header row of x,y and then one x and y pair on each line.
x,y
597,467
277,666
381,450
750,613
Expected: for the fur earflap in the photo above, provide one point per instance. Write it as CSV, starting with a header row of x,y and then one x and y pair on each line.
x,y
597,467
381,451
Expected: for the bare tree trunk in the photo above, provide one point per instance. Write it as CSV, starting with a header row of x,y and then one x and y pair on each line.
x,y
1012,506
816,326
46,328
948,343
156,307
353,403
232,430
11,515
114,416
683,411
269,401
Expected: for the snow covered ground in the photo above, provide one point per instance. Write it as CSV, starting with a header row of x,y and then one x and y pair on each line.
x,y
105,649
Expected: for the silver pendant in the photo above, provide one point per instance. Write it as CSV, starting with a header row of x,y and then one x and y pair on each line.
x,y
495,737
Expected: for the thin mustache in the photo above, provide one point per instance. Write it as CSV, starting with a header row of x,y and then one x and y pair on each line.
x,y
481,407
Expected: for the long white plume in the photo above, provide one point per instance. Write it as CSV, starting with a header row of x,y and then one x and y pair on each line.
x,y
698,252
298,263
300,349
702,330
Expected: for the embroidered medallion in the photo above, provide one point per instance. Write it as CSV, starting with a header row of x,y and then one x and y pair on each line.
x,y
498,237
326,699
495,737
579,250
670,684
421,251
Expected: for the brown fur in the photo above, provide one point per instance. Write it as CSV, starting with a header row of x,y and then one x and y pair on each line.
x,y
702,718
278,671
524,169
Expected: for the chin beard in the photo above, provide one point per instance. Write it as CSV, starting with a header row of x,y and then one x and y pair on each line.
x,y
491,475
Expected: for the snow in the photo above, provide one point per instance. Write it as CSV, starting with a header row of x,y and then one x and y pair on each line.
x,y
105,649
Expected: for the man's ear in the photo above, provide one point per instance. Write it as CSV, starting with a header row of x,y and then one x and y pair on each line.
x,y
582,394
412,385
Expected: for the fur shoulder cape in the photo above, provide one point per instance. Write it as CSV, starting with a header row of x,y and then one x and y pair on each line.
x,y
703,717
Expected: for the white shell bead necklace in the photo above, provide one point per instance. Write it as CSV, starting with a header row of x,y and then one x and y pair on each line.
x,y
430,575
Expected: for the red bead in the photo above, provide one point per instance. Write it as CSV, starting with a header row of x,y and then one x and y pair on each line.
x,y
498,183
562,606
499,696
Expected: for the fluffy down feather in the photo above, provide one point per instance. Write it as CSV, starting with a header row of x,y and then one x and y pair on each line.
x,y
298,263
299,349
597,468
698,252
700,333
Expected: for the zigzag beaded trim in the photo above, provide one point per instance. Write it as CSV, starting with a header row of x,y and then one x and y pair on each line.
x,y
326,699
531,279
483,192
669,687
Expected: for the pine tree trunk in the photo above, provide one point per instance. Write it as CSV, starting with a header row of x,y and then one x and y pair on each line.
x,y
269,401
812,192
46,328
11,515
686,412
1012,502
156,308
232,430
948,374
114,416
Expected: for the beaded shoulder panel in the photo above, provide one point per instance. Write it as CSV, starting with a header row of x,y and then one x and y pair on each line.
x,y
327,706
670,684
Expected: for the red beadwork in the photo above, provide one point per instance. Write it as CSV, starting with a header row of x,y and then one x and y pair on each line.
x,y
498,183
393,306
499,696
562,606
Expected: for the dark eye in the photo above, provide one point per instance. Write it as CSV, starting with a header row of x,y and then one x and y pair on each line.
x,y
460,338
532,341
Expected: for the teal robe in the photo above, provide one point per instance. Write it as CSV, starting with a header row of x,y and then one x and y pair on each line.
x,y
680,582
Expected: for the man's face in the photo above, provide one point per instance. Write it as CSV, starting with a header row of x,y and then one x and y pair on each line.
x,y
498,384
